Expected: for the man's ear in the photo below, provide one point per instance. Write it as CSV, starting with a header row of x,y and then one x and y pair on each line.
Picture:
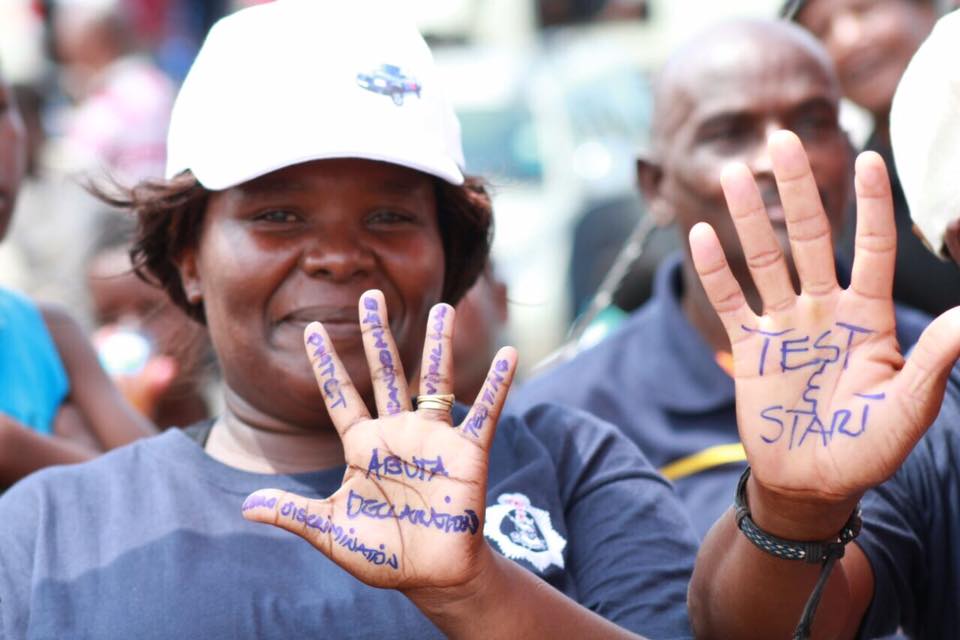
x,y
189,275
650,181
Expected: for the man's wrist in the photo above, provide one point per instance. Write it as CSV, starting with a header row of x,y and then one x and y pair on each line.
x,y
796,517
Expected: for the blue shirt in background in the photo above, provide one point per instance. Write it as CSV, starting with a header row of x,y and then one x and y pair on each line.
x,y
33,382
148,541
658,380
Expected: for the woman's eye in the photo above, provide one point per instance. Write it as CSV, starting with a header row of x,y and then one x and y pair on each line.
x,y
278,215
387,216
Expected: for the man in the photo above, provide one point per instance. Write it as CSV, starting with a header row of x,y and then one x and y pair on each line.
x,y
903,569
870,44
665,377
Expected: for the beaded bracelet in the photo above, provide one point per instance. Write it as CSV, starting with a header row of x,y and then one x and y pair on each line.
x,y
825,552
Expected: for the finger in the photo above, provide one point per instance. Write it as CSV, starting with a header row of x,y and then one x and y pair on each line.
x,y
807,224
722,288
481,421
760,245
922,380
876,241
317,522
436,366
344,404
386,370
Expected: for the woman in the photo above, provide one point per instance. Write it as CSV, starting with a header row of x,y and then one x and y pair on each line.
x,y
870,44
314,167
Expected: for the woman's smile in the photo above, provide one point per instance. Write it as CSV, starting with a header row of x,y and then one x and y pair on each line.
x,y
300,245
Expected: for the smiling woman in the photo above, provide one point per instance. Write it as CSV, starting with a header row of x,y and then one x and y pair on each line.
x,y
321,231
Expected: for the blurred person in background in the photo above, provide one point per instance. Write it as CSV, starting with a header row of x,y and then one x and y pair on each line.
x,y
45,249
122,100
871,42
481,329
553,13
157,356
115,130
57,405
664,377
599,239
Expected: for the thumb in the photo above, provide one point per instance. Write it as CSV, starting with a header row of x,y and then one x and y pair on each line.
x,y
312,520
924,376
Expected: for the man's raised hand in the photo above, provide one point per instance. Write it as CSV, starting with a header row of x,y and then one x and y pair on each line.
x,y
826,405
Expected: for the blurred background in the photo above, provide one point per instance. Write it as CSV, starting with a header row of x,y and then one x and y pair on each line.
x,y
553,96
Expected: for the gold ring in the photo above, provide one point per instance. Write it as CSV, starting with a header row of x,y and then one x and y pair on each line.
x,y
438,401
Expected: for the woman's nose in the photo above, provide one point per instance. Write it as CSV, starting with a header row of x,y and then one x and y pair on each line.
x,y
338,258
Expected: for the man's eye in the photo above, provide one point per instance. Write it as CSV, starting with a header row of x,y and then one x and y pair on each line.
x,y
815,124
728,133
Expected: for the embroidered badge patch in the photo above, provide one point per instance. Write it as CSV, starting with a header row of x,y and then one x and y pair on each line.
x,y
389,80
524,532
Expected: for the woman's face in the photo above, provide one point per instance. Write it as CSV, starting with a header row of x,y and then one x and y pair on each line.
x,y
301,244
871,42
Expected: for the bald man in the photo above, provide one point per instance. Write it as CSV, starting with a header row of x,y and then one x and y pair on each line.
x,y
664,377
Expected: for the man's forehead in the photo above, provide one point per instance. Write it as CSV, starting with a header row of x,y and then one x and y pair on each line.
x,y
753,70
755,80
753,57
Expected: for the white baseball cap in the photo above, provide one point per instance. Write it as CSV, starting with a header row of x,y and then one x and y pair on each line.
x,y
298,80
925,132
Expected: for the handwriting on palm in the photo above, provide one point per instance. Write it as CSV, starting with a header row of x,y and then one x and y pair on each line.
x,y
409,512
825,403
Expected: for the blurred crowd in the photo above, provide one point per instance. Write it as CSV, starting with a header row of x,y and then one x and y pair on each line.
x,y
599,130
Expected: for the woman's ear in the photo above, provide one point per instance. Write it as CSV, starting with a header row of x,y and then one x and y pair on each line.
x,y
650,182
190,276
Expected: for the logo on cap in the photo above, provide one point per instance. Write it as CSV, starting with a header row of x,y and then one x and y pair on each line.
x,y
389,80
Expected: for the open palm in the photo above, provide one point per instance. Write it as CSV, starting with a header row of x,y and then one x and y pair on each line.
x,y
410,510
826,405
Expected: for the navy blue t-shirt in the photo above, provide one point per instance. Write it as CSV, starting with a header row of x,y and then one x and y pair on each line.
x,y
148,542
911,535
658,380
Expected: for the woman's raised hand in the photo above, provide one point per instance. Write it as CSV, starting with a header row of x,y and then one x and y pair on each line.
x,y
409,513
826,405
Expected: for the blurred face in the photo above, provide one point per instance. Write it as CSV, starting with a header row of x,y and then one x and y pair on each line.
x,y
724,105
871,42
301,244
13,156
119,297
481,317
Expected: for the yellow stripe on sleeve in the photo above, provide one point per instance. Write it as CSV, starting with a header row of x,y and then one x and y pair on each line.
x,y
708,458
